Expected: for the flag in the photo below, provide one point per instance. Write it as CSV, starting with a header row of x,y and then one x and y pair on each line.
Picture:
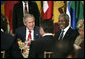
x,y
39,5
58,8
76,11
9,12
40,9
47,10
2,7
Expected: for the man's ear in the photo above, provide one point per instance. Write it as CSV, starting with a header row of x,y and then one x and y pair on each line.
x,y
25,23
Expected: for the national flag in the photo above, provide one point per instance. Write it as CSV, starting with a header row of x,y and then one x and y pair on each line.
x,y
2,7
9,12
47,10
58,8
76,10
40,9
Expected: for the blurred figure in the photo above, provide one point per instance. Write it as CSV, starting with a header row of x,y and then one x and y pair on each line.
x,y
21,9
80,39
65,32
8,43
64,49
45,43
79,42
3,23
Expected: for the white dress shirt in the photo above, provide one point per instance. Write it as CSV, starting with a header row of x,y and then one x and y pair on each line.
x,y
47,34
65,30
27,33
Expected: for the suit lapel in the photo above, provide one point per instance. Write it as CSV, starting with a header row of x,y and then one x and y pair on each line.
x,y
24,34
36,33
68,33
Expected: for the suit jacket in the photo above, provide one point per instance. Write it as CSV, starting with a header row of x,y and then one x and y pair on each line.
x,y
38,47
9,44
18,14
69,36
21,33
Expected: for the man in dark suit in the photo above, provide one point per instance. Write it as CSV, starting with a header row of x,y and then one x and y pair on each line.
x,y
19,13
29,31
66,32
45,43
29,22
8,43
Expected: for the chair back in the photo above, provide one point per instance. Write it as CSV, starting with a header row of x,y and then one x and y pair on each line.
x,y
3,54
47,53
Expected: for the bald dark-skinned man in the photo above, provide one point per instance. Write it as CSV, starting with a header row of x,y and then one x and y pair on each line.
x,y
65,32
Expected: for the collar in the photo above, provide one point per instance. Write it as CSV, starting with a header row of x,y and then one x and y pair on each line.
x,y
28,29
47,34
2,30
65,30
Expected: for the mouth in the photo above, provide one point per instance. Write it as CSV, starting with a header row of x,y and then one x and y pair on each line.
x,y
62,26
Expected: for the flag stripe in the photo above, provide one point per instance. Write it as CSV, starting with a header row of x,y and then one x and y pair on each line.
x,y
76,12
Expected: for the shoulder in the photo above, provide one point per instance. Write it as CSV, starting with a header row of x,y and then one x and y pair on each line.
x,y
36,27
20,29
58,32
6,36
73,31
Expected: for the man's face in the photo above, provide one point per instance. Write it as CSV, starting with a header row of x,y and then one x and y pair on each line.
x,y
81,32
30,23
63,23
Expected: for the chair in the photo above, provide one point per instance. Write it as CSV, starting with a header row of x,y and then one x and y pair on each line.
x,y
47,53
3,54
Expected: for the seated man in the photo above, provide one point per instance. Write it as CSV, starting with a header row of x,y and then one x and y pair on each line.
x,y
29,32
8,43
45,43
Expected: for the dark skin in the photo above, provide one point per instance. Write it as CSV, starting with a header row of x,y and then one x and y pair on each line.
x,y
63,23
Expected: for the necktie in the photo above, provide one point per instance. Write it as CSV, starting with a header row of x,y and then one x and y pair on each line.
x,y
61,35
29,37
25,8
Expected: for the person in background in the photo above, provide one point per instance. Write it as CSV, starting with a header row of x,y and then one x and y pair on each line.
x,y
8,43
3,23
21,9
63,49
80,39
79,42
45,43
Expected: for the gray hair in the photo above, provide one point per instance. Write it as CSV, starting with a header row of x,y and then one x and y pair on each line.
x,y
80,23
28,16
64,15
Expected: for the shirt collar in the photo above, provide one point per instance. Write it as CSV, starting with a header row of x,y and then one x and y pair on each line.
x,y
47,34
66,28
28,29
2,30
